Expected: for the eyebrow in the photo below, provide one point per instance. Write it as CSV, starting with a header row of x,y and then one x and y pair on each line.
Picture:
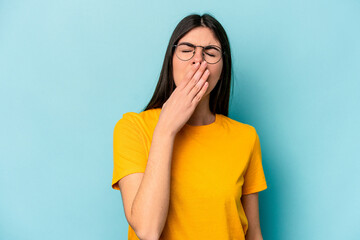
x,y
194,44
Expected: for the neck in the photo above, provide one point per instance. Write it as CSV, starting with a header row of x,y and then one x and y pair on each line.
x,y
202,114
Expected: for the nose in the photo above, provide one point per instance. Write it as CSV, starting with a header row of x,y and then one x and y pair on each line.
x,y
198,57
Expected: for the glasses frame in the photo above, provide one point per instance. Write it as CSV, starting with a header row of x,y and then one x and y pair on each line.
x,y
202,52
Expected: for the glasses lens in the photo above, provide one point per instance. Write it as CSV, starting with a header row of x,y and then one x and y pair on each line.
x,y
212,54
184,52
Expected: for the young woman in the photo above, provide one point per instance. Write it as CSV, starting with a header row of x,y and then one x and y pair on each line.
x,y
184,168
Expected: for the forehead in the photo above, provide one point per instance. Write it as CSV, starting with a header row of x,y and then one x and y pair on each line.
x,y
200,36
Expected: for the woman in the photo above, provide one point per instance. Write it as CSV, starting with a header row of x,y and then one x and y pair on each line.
x,y
185,170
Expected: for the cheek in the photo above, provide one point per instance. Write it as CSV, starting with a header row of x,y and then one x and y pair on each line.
x,y
176,73
215,73
180,70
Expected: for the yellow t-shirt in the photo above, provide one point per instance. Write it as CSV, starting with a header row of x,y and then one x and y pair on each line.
x,y
212,167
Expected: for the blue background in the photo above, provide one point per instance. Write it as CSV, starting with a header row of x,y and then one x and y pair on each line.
x,y
70,69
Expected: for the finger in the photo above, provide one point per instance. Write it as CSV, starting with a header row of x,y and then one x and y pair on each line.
x,y
198,86
196,77
189,75
200,94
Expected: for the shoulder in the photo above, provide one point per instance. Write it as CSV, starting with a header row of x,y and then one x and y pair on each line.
x,y
241,128
142,119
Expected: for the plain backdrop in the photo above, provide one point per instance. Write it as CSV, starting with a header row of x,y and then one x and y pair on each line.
x,y
70,69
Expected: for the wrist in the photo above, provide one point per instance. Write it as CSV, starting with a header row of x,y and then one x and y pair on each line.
x,y
164,133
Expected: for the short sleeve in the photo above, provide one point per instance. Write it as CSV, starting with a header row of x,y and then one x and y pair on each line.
x,y
254,178
129,153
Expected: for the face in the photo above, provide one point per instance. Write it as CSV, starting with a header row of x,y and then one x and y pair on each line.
x,y
202,36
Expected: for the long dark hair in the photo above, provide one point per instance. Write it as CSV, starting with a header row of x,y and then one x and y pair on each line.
x,y
220,95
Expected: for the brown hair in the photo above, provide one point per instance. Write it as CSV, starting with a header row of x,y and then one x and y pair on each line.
x,y
220,95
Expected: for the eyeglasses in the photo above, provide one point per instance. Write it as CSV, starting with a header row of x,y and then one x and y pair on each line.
x,y
211,54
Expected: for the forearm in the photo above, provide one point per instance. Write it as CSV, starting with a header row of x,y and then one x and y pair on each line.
x,y
254,233
250,204
151,203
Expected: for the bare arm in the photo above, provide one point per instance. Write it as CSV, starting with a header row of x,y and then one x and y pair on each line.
x,y
251,207
147,208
